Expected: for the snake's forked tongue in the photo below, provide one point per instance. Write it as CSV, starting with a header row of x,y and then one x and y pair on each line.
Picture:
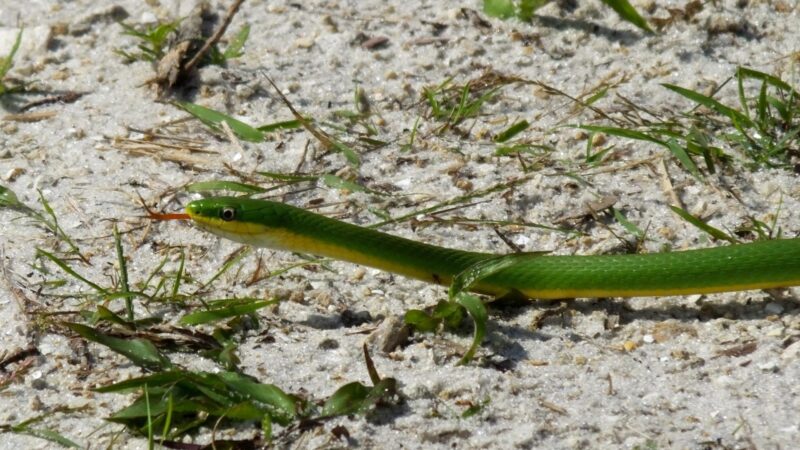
x,y
168,216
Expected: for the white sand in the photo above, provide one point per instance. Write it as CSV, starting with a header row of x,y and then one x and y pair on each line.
x,y
570,384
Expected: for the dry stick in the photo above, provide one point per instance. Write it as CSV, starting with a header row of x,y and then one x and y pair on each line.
x,y
321,136
214,37
67,97
232,136
666,184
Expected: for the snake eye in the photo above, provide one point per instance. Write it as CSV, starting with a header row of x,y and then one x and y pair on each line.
x,y
227,214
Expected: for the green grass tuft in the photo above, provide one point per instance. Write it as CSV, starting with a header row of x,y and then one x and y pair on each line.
x,y
6,63
153,40
524,10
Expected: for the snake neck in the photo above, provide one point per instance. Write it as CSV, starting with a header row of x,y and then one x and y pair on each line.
x,y
304,232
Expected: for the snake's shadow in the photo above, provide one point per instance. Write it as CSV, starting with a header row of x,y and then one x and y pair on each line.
x,y
620,312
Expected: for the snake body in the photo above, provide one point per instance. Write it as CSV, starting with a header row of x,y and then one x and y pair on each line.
x,y
260,223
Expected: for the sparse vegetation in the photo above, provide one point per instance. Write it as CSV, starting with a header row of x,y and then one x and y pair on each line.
x,y
525,9
765,129
120,304
154,40
6,63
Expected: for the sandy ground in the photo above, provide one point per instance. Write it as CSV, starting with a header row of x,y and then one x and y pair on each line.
x,y
717,371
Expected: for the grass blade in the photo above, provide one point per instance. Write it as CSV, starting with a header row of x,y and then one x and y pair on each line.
x,y
466,279
234,49
234,258
233,186
627,224
230,308
213,119
478,271
123,274
686,161
735,116
289,177
7,62
744,72
512,131
502,9
66,268
697,222
477,311
140,351
622,132
47,435
420,321
264,393
629,13
284,125
179,275
348,399
349,154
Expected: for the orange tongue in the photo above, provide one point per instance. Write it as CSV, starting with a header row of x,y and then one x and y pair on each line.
x,y
168,216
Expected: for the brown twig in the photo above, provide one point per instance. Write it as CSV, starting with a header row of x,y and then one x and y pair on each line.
x,y
214,38
321,136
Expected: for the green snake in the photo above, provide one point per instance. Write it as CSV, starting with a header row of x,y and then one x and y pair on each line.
x,y
260,223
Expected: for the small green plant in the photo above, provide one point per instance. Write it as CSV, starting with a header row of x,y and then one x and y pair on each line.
x,y
6,63
509,145
153,41
449,314
358,121
235,48
452,104
525,9
506,9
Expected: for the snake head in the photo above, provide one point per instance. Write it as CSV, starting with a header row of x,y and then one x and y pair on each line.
x,y
255,222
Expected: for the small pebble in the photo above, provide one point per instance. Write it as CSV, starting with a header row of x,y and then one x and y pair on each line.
x,y
773,308
13,173
769,366
358,274
389,335
304,42
775,331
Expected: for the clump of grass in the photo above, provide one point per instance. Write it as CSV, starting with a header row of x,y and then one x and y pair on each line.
x,y
449,314
173,401
754,227
153,41
765,128
452,104
525,9
6,63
